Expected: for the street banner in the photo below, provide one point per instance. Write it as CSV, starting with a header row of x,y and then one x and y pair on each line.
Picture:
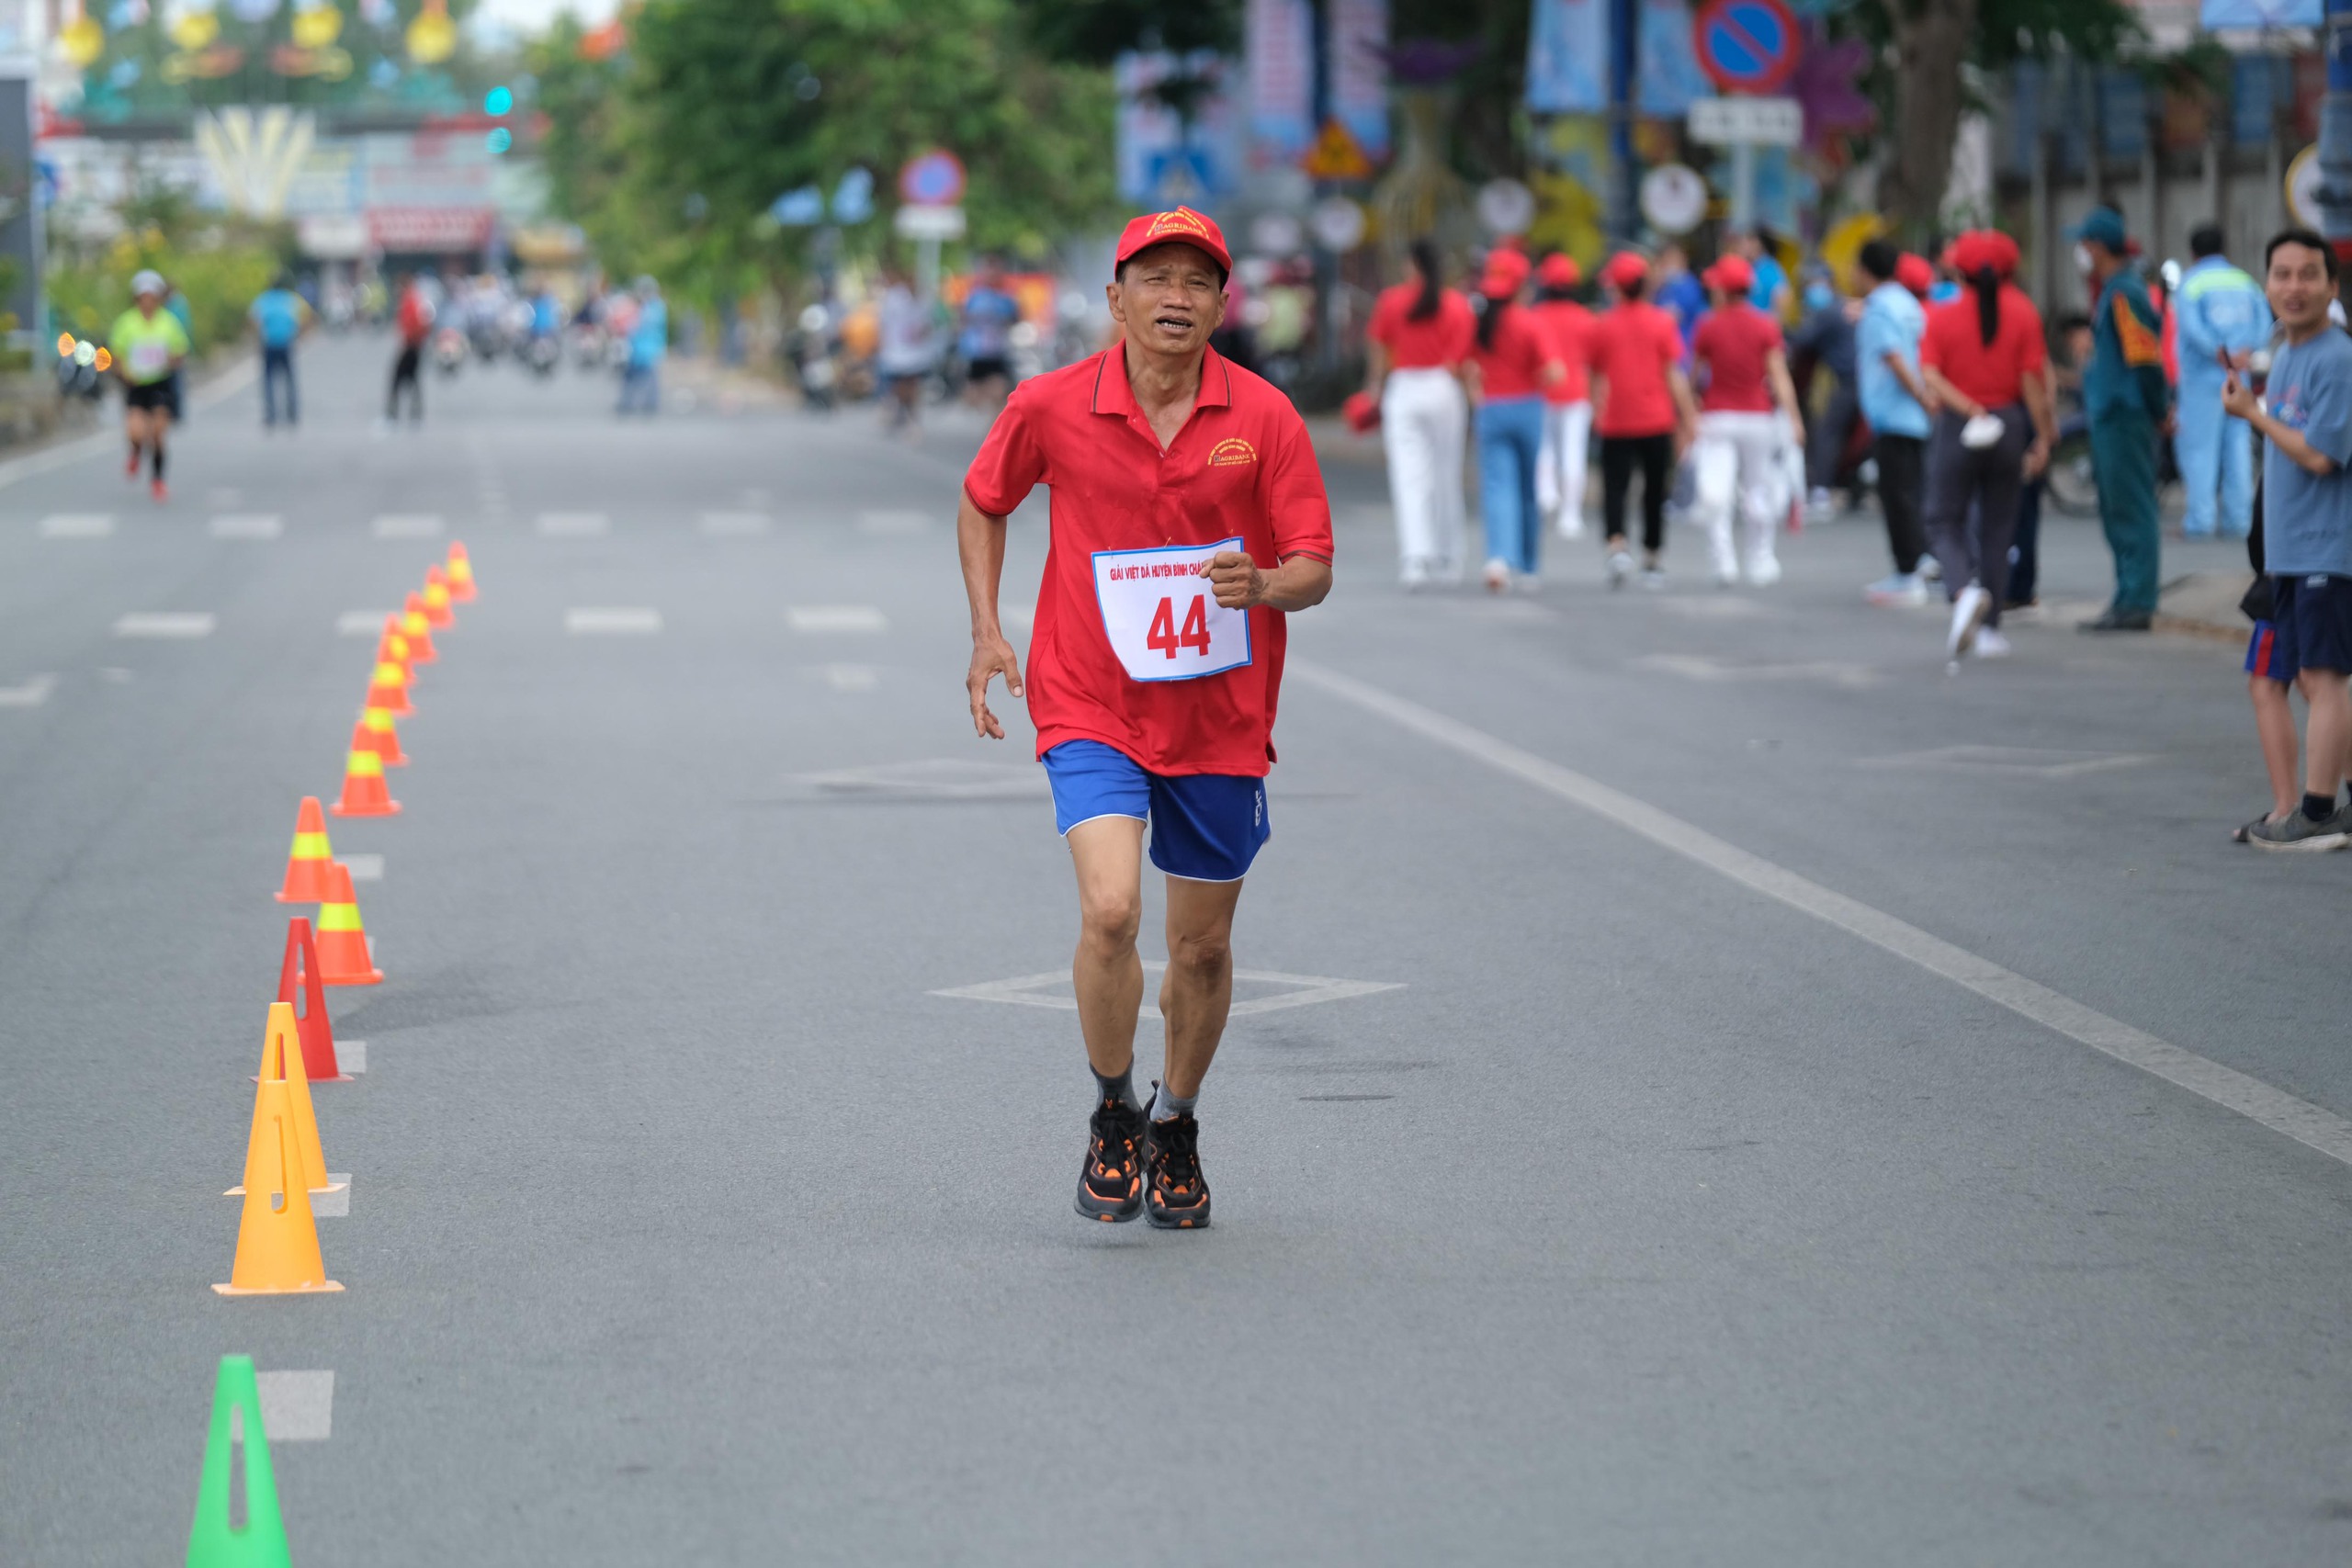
x,y
1568,57
2258,16
1669,79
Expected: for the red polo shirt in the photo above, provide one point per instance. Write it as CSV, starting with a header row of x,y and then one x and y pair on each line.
x,y
1513,365
1633,346
1570,325
1992,374
1438,342
1241,468
1736,343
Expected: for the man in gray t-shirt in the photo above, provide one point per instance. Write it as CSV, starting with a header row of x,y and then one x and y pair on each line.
x,y
2305,420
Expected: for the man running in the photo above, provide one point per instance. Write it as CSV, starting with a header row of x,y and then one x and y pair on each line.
x,y
147,345
1156,664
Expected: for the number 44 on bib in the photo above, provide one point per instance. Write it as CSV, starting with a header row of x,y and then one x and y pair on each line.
x,y
1161,617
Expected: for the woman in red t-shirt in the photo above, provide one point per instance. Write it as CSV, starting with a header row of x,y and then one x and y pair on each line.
x,y
1747,421
1419,339
1567,402
1512,362
1642,404
1984,357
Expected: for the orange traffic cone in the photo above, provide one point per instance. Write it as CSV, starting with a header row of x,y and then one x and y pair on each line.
x,y
277,1241
299,988
392,648
364,792
436,599
344,959
376,725
418,628
307,862
388,689
461,574
281,1067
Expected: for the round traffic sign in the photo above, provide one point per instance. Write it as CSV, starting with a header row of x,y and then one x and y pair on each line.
x,y
1673,199
1747,46
1506,206
933,179
1338,223
2303,187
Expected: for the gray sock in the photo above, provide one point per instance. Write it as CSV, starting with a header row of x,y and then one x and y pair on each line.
x,y
1121,1088
1167,1106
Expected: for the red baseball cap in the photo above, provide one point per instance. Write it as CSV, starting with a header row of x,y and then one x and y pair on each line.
x,y
1732,275
2001,251
1914,273
1559,271
1177,226
1626,268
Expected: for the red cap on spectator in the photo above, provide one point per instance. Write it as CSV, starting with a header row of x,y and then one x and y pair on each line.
x,y
1732,275
1181,225
1559,271
1914,273
2001,253
1626,269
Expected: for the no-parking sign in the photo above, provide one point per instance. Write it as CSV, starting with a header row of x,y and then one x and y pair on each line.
x,y
1747,46
934,179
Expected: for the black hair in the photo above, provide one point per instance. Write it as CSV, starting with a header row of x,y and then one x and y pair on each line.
x,y
2205,240
1632,291
1491,318
2310,239
1430,263
1766,238
2074,322
1878,259
1987,282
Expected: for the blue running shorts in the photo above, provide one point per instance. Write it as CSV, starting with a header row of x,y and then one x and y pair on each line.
x,y
2270,652
1204,827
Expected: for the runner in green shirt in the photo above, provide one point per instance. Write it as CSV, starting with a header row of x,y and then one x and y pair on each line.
x,y
147,345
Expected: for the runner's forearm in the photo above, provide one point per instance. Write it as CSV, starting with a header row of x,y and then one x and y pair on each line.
x,y
1299,583
980,544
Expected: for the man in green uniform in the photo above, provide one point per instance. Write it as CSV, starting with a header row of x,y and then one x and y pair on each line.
x,y
2128,403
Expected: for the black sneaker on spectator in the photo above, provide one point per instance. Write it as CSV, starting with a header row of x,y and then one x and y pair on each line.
x,y
2296,831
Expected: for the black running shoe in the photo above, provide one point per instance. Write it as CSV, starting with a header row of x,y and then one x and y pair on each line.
x,y
1110,1183
1178,1196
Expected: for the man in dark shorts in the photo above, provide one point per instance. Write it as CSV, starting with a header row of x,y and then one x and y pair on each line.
x,y
1154,669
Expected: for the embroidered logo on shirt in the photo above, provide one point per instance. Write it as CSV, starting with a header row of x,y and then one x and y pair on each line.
x,y
1231,451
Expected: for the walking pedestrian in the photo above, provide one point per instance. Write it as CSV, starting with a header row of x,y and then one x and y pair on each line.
x,y
1984,357
2305,421
1511,363
1895,398
906,350
1155,668
2128,404
415,323
1749,422
2221,319
280,316
1419,336
1567,402
1827,339
649,344
149,345
1677,291
1642,407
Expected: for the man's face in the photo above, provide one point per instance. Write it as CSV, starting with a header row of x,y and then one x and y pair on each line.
x,y
1168,298
2299,287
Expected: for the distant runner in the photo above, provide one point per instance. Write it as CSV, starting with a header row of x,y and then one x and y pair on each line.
x,y
147,345
1157,660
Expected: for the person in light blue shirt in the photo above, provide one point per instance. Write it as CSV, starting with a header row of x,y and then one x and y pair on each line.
x,y
649,344
279,315
1894,401
1770,292
2221,319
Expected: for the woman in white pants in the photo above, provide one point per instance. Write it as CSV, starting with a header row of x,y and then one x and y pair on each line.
x,y
1747,421
1420,335
1567,402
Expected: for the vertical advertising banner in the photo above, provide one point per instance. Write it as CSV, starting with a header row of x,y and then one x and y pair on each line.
x,y
1281,41
1358,47
1668,78
1568,57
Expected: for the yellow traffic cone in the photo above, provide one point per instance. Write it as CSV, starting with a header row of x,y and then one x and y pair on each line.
x,y
277,1241
281,1063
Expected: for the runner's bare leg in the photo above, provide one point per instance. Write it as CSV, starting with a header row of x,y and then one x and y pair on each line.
x,y
1198,991
1107,973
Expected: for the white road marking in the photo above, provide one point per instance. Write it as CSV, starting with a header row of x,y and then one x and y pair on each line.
x,y
893,523
28,694
613,620
836,619
2249,1097
1035,990
935,778
114,672
351,1055
164,624
365,868
407,525
2032,761
247,526
852,677
360,623
574,525
736,523
77,526
1851,674
296,1407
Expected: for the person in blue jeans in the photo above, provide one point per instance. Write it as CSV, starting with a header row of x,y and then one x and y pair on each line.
x,y
1513,359
280,317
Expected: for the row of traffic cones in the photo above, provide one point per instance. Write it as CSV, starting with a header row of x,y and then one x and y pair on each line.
x,y
278,1238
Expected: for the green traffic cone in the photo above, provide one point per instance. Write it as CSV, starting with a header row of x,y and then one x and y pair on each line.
x,y
211,1543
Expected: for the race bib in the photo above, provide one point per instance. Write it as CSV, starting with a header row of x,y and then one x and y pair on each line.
x,y
149,357
1164,620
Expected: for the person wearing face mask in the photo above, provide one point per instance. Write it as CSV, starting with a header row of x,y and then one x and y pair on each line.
x,y
1826,339
2128,403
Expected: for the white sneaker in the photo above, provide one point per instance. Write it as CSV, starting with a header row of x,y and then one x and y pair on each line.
x,y
1930,570
1620,567
1968,613
1991,644
1571,522
1898,591
1820,505
1653,579
1726,576
1497,577
1764,573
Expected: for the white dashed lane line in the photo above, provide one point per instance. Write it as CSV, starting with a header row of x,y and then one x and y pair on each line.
x,y
407,525
77,526
736,524
28,693
365,868
164,624
247,526
296,1407
360,623
574,525
836,619
613,620
851,677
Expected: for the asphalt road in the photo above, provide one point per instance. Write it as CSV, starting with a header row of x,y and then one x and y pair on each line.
x,y
1619,1208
